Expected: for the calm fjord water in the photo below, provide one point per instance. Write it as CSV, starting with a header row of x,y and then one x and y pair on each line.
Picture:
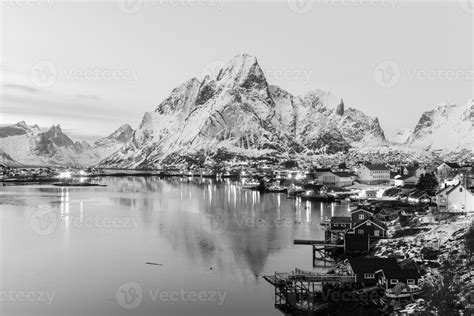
x,y
83,251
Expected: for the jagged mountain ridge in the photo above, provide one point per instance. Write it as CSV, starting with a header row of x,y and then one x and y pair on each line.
x,y
447,129
238,113
29,145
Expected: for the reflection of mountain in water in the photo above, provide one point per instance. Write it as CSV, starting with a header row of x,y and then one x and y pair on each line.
x,y
213,221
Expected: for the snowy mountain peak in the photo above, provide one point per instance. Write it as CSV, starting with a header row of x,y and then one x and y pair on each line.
x,y
244,71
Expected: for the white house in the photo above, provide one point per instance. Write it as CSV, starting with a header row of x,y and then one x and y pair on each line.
x,y
456,198
333,179
373,174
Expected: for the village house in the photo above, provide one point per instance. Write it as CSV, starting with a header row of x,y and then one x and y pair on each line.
x,y
373,174
372,227
364,269
402,180
354,243
359,215
389,278
456,198
448,168
332,178
386,215
418,197
340,223
316,189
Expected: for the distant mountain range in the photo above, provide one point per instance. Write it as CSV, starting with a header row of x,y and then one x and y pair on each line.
x,y
29,145
238,114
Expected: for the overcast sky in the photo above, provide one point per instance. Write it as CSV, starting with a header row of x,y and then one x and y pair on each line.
x,y
92,66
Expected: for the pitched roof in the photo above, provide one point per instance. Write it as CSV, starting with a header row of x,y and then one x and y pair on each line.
x,y
373,220
453,188
401,273
361,209
322,170
343,174
377,167
341,219
453,165
370,265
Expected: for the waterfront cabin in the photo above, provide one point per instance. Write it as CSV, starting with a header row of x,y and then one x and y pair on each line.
x,y
354,243
318,189
359,215
340,223
372,227
364,269
389,278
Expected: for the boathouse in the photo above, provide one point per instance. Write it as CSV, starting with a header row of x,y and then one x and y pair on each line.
x,y
364,269
389,278
372,227
340,223
359,215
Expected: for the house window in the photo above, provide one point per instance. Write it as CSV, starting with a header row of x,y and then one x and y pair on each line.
x,y
361,216
393,281
460,189
369,223
376,233
360,231
410,281
369,276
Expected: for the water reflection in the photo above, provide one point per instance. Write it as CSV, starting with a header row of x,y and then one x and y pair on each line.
x,y
209,220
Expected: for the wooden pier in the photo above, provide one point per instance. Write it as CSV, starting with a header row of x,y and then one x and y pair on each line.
x,y
302,290
321,248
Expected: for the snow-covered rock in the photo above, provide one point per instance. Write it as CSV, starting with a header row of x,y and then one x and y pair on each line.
x,y
240,114
401,136
447,129
29,145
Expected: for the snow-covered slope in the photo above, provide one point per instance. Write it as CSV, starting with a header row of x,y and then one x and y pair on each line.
x,y
401,136
238,114
447,129
29,145
106,146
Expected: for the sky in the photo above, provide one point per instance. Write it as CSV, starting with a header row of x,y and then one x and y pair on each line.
x,y
92,66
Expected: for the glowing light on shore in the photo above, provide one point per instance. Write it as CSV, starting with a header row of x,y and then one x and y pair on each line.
x,y
65,175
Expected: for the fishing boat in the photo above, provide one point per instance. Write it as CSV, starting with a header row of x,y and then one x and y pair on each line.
x,y
407,291
251,185
276,189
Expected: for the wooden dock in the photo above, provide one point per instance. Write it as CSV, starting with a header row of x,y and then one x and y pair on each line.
x,y
301,290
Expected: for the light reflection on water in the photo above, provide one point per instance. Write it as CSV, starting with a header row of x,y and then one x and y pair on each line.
x,y
208,234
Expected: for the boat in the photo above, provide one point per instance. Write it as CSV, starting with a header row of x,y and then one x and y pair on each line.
x,y
251,185
276,189
407,291
293,190
78,184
